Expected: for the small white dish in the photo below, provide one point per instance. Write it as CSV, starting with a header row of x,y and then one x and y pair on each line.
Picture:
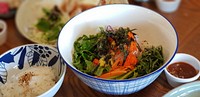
x,y
3,32
181,57
187,90
168,6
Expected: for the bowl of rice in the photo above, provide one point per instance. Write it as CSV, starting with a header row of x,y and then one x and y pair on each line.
x,y
31,70
120,49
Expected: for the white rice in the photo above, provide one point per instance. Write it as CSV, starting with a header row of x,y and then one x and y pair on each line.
x,y
29,83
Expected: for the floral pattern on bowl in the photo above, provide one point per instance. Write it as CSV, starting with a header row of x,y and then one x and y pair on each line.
x,y
26,56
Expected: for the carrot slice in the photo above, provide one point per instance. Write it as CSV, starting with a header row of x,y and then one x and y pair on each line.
x,y
131,61
130,35
116,72
117,63
133,47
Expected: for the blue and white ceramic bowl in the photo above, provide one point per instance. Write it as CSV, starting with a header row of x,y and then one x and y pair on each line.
x,y
151,27
24,57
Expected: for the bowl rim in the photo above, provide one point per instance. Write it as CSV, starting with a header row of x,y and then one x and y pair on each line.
x,y
183,88
4,27
53,48
124,80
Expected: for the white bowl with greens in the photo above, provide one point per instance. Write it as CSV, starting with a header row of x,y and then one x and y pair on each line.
x,y
87,40
42,25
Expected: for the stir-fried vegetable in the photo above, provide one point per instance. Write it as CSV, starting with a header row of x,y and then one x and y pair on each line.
x,y
50,24
115,54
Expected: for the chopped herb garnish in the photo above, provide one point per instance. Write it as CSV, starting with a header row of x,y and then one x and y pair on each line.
x,y
115,54
50,24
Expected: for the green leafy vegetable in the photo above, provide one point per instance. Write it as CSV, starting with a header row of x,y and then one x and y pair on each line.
x,y
95,46
50,24
111,47
150,60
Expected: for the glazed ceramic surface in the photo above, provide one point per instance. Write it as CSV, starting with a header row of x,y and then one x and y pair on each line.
x,y
149,28
24,57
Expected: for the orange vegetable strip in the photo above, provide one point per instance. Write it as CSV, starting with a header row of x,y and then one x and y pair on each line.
x,y
133,47
115,64
113,73
130,35
130,61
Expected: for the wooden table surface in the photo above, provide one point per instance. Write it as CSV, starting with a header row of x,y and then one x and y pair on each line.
x,y
186,21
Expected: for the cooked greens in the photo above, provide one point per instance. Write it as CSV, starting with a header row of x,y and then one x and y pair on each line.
x,y
150,60
115,54
50,24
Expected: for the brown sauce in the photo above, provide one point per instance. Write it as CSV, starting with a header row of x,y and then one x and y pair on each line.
x,y
182,70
